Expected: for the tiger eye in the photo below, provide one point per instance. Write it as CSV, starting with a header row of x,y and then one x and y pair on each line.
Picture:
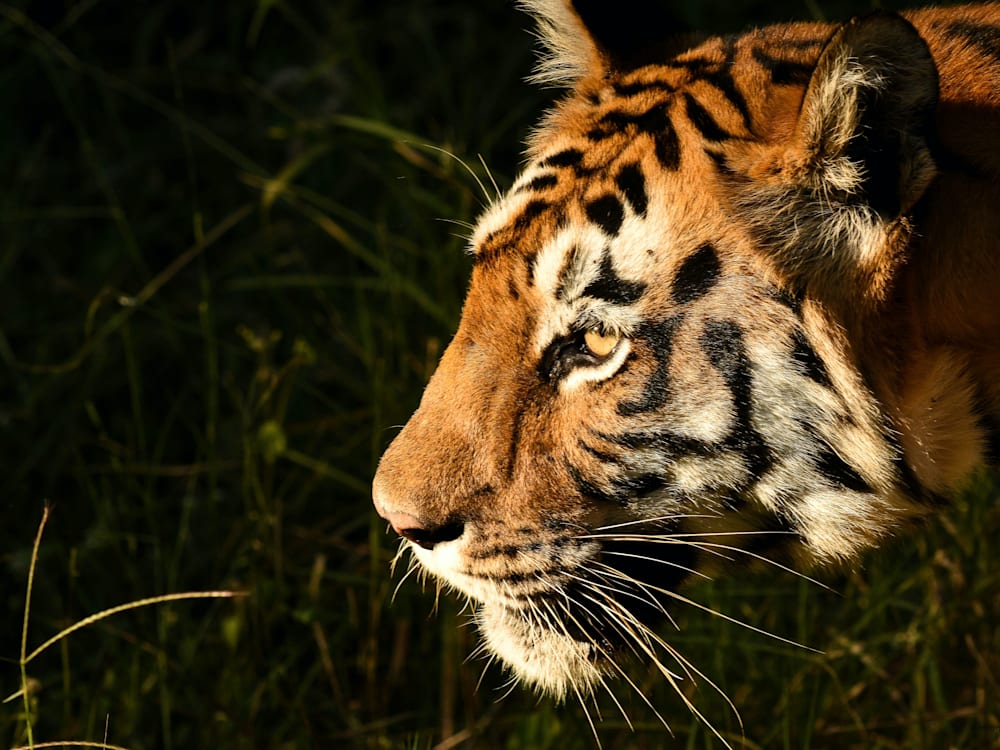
x,y
599,343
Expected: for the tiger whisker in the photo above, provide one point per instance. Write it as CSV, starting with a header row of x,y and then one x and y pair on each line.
x,y
458,222
586,713
508,687
687,534
490,199
710,547
562,625
668,563
569,599
685,600
646,637
651,600
496,188
411,568
486,667
403,547
688,668
598,588
611,661
621,618
769,561
654,520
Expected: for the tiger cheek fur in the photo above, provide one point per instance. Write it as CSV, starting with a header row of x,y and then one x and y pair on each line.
x,y
694,339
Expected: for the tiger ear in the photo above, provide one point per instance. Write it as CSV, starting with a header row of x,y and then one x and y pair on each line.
x,y
833,197
583,38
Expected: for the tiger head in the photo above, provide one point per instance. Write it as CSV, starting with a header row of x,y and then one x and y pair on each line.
x,y
659,370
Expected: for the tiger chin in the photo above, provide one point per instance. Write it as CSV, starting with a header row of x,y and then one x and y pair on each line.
x,y
738,311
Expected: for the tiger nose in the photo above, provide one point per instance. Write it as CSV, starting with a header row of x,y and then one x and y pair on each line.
x,y
426,535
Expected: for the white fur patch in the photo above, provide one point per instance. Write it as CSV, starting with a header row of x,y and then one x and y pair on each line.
x,y
566,265
497,216
551,661
583,243
567,51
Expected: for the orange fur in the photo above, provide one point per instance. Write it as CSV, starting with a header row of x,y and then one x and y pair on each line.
x,y
789,243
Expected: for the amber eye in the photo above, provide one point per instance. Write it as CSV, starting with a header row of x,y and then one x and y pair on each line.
x,y
600,343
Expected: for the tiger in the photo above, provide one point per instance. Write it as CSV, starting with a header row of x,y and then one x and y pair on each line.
x,y
739,309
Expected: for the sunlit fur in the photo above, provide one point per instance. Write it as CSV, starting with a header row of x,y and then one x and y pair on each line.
x,y
793,234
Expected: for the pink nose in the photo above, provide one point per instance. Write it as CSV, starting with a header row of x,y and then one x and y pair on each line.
x,y
426,535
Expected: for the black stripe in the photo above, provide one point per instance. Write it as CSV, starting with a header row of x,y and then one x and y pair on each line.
x,y
611,287
639,87
631,182
724,346
655,122
758,454
914,488
805,355
669,445
783,72
983,37
838,471
571,157
722,79
601,456
521,407
591,491
612,123
787,298
697,66
720,161
991,432
702,119
639,486
516,578
529,269
660,338
532,210
607,212
507,550
617,121
540,183
569,266
697,275
667,148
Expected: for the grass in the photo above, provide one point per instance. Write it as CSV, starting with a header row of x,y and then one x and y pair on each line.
x,y
228,265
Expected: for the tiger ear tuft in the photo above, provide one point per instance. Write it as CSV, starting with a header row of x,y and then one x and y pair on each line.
x,y
864,125
832,199
582,38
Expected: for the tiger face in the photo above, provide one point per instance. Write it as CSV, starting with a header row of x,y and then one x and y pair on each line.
x,y
663,367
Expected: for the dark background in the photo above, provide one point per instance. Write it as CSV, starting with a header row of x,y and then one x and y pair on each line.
x,y
231,252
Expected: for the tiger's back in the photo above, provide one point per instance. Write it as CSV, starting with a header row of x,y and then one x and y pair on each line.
x,y
743,294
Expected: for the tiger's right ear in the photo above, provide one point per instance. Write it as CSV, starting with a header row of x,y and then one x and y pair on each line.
x,y
595,38
831,198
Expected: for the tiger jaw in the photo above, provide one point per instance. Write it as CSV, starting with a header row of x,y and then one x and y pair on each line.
x,y
521,629
553,662
560,613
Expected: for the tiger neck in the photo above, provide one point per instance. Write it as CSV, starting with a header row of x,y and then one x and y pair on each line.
x,y
938,347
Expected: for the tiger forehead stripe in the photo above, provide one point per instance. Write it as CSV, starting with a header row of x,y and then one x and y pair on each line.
x,y
654,122
607,213
703,121
611,287
632,184
696,276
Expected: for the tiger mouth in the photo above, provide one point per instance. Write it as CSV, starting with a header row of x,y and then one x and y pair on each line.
x,y
567,638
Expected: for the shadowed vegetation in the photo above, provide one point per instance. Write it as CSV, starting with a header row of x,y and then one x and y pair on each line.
x,y
231,252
